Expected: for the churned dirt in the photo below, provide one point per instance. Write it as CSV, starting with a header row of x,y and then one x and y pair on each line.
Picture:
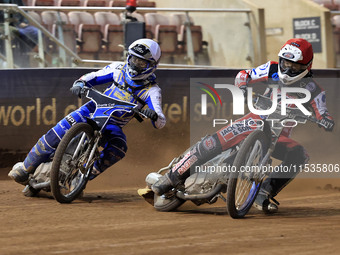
x,y
113,219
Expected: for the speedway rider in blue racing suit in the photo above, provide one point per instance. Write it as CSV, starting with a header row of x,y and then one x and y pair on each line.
x,y
133,81
293,69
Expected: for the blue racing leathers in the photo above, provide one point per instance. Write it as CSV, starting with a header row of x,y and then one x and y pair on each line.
x,y
114,140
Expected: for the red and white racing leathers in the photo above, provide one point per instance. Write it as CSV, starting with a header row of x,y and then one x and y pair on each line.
x,y
290,152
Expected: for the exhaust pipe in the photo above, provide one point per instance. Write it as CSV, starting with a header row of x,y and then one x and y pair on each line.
x,y
208,195
39,186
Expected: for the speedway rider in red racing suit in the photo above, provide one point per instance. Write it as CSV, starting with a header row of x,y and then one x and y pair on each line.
x,y
295,61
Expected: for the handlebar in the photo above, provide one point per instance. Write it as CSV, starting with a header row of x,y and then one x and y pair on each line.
x,y
99,97
139,115
312,119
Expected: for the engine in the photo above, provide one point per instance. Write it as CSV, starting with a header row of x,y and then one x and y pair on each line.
x,y
202,182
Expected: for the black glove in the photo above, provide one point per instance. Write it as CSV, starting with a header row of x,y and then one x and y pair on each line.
x,y
77,87
151,114
326,122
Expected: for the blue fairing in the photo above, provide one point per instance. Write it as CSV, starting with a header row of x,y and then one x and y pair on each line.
x,y
119,115
120,110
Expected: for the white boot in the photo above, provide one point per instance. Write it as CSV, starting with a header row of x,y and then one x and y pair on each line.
x,y
19,173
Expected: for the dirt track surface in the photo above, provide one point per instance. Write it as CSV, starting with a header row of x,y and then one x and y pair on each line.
x,y
118,221
113,219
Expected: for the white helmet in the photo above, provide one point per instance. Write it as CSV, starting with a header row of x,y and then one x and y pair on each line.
x,y
143,58
295,60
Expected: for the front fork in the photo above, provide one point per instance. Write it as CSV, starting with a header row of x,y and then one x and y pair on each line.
x,y
90,155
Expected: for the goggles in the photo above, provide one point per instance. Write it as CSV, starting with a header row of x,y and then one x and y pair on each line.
x,y
289,67
139,64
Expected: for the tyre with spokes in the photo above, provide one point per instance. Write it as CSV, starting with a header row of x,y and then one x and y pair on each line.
x,y
70,169
245,182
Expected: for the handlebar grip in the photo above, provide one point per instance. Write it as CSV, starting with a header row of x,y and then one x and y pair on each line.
x,y
137,115
84,90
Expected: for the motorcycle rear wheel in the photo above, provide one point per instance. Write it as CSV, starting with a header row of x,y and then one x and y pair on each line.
x,y
244,184
67,179
164,204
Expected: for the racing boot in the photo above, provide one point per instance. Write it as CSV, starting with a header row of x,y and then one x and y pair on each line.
x,y
19,173
263,203
163,185
169,181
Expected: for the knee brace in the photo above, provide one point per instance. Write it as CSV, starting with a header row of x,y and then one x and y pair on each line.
x,y
41,151
114,150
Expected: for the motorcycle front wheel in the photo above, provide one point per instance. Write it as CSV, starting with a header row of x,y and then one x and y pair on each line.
x,y
69,173
245,182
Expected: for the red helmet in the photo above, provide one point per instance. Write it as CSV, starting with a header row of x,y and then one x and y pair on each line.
x,y
295,60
